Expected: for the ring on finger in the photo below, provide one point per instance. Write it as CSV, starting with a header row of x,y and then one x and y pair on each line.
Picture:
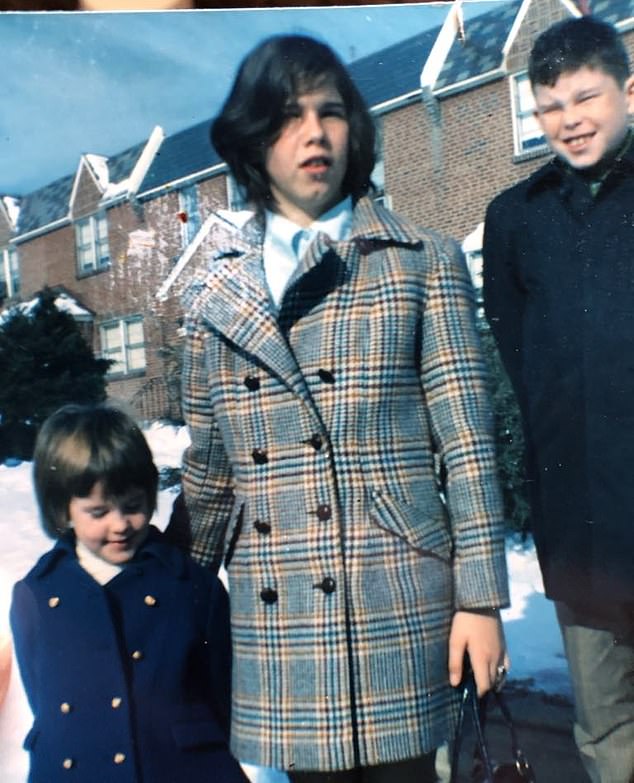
x,y
500,677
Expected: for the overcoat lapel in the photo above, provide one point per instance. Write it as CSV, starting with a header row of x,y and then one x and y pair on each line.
x,y
236,303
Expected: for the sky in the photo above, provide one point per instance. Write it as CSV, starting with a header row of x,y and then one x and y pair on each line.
x,y
530,626
89,82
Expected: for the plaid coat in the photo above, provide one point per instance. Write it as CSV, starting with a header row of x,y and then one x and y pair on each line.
x,y
315,441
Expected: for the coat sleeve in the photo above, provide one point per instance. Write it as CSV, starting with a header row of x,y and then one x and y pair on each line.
x,y
207,475
504,294
455,383
24,620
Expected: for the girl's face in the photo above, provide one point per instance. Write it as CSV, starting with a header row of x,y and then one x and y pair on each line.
x,y
307,162
113,529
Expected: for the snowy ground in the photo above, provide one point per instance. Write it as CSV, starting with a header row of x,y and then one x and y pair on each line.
x,y
530,625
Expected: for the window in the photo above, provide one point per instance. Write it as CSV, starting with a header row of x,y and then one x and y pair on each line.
x,y
91,241
528,134
123,342
9,272
188,213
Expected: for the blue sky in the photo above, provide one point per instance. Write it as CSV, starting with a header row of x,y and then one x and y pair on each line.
x,y
76,83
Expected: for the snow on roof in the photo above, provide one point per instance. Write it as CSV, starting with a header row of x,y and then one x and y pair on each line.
x,y
12,205
63,302
99,166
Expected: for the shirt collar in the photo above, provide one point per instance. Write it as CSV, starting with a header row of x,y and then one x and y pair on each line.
x,y
286,236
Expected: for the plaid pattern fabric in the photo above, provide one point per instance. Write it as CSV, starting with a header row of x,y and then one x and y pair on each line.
x,y
312,459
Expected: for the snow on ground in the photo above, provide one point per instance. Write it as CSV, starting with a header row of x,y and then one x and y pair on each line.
x,y
530,625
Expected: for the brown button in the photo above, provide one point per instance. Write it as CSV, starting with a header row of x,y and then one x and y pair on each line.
x,y
316,441
116,702
328,585
64,707
252,383
150,600
262,527
268,595
326,376
260,456
137,655
53,601
68,763
324,512
118,758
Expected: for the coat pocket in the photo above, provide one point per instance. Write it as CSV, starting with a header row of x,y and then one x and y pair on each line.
x,y
422,530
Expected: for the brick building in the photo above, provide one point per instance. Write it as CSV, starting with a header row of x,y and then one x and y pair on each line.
x,y
453,108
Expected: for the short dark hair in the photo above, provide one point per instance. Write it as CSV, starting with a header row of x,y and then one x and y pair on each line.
x,y
576,43
80,445
275,72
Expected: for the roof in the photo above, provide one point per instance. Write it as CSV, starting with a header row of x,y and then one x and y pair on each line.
x,y
612,11
45,205
181,155
395,71
481,49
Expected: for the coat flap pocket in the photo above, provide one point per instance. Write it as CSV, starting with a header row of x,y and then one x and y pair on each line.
x,y
421,529
190,734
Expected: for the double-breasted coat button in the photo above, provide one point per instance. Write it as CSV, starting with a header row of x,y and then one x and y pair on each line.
x,y
150,600
262,527
268,595
118,758
116,702
252,383
260,457
324,512
64,708
316,441
137,655
68,763
328,585
326,376
53,601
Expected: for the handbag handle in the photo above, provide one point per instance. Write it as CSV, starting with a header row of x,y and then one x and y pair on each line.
x,y
470,700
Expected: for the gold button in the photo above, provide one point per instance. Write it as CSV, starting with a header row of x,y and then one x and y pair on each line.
x,y
53,601
137,655
116,702
150,600
64,707
68,763
119,758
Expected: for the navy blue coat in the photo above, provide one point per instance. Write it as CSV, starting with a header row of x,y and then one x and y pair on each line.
x,y
559,295
127,682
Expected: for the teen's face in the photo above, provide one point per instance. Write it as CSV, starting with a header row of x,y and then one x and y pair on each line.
x,y
584,115
113,529
306,164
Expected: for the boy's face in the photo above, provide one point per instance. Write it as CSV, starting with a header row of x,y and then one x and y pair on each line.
x,y
584,115
112,529
306,164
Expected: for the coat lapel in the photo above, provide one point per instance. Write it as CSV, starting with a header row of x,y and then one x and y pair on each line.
x,y
235,302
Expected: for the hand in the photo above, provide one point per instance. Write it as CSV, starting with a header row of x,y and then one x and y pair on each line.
x,y
480,634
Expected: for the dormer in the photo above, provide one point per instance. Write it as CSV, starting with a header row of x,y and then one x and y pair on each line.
x,y
9,211
91,181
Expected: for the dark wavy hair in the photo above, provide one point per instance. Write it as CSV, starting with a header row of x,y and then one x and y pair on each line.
x,y
275,72
575,43
80,445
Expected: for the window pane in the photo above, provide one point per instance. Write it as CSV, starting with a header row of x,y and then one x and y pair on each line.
x,y
136,358
528,133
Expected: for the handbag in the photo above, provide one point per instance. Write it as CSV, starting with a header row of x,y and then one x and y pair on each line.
x,y
484,770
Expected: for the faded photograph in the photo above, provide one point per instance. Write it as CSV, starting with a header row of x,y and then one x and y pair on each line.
x,y
275,241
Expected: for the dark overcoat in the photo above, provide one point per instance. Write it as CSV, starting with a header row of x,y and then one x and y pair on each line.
x,y
127,681
314,437
559,294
